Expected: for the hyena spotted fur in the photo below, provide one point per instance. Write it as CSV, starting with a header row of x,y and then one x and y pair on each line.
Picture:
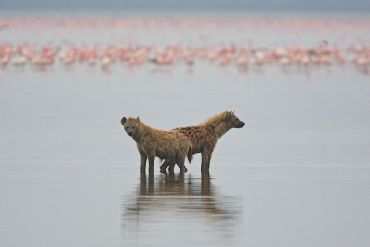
x,y
204,137
151,142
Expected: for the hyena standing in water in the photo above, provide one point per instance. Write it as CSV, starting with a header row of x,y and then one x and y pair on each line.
x,y
169,145
204,137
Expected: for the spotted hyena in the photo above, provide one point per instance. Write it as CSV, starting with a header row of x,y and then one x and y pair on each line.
x,y
204,136
169,145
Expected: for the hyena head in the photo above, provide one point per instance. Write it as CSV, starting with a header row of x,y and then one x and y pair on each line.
x,y
233,121
131,125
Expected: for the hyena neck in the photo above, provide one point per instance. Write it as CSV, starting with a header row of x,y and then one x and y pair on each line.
x,y
140,132
221,129
217,123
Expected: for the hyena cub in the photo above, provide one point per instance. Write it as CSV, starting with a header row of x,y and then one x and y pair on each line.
x,y
168,145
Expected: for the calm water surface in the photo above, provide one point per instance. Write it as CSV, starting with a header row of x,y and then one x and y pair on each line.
x,y
297,174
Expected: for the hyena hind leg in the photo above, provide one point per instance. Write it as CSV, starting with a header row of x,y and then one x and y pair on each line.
x,y
185,169
165,165
171,167
181,165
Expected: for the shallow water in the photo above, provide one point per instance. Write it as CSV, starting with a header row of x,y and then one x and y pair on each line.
x,y
297,174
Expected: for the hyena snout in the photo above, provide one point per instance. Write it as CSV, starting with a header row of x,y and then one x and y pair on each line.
x,y
130,131
240,124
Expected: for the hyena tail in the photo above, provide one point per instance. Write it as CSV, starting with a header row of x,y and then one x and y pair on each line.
x,y
190,154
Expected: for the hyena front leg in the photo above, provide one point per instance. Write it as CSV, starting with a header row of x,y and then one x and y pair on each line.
x,y
207,162
203,162
151,164
142,162
206,158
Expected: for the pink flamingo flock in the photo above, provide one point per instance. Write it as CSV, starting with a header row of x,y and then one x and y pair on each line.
x,y
238,55
223,55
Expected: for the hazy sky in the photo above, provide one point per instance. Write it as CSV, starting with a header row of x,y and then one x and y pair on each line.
x,y
333,5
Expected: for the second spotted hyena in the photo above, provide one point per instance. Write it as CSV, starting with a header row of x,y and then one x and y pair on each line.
x,y
169,145
204,136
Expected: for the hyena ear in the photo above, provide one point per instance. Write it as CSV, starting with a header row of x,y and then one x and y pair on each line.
x,y
138,119
228,116
123,120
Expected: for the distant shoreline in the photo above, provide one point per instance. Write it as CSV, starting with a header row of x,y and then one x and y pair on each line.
x,y
171,13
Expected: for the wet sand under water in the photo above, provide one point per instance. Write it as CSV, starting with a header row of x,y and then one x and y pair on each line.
x,y
297,174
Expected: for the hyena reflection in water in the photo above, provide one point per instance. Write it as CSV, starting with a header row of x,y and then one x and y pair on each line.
x,y
179,198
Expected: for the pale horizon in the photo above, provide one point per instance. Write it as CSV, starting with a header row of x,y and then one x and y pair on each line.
x,y
192,5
